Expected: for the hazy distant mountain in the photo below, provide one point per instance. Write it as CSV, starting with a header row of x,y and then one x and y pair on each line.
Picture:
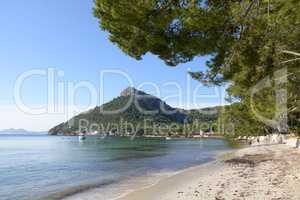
x,y
13,131
139,106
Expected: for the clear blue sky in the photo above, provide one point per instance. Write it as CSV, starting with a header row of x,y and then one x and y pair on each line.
x,y
64,35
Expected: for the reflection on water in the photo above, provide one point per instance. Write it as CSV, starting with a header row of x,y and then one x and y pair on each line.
x,y
36,166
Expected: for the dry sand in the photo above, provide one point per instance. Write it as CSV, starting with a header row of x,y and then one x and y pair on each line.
x,y
260,173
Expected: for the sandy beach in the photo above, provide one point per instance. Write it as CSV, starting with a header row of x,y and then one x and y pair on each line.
x,y
260,173
263,172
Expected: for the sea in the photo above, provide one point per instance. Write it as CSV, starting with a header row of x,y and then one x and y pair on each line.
x,y
54,167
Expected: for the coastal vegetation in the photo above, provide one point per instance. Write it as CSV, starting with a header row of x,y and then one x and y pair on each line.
x,y
253,44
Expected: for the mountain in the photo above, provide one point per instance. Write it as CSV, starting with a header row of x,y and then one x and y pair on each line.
x,y
13,131
137,112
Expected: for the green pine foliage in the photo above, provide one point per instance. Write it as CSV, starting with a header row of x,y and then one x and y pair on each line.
x,y
249,40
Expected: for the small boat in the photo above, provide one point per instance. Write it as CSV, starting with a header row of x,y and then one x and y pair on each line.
x,y
81,137
168,138
102,137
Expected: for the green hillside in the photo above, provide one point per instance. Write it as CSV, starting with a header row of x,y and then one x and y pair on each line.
x,y
132,111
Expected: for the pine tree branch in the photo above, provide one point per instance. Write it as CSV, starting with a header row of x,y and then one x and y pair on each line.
x,y
291,52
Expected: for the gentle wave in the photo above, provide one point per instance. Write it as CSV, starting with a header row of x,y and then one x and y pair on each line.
x,y
75,190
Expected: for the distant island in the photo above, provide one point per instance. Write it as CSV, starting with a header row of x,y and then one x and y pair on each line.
x,y
13,131
137,108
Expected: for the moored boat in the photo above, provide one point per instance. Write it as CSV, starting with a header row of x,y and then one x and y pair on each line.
x,y
81,137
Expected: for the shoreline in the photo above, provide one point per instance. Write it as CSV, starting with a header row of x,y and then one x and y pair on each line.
x,y
140,183
112,188
261,172
118,189
156,192
255,172
187,173
166,185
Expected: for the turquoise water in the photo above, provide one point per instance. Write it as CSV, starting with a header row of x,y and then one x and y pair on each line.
x,y
35,167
